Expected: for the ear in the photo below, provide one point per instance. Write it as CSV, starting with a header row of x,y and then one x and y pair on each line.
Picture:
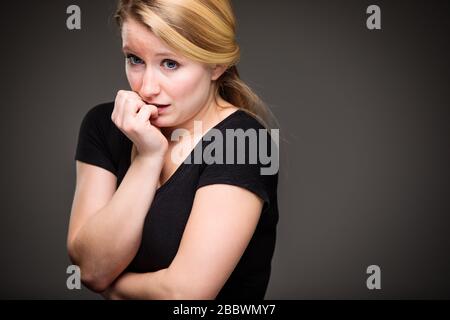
x,y
217,71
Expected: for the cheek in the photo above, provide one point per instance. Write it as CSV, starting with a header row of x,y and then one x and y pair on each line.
x,y
190,88
134,79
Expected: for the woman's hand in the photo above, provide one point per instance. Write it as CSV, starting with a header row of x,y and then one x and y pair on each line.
x,y
133,117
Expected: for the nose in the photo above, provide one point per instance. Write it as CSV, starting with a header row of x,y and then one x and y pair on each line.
x,y
150,85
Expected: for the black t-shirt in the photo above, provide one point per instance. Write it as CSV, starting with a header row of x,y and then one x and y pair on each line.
x,y
102,144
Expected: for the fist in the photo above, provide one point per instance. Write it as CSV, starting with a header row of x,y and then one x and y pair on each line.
x,y
134,117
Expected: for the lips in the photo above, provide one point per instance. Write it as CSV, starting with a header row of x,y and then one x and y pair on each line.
x,y
159,105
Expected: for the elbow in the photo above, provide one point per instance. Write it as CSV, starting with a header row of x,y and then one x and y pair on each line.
x,y
95,279
89,275
72,250
95,283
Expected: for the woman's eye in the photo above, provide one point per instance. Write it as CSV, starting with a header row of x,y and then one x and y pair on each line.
x,y
170,64
134,60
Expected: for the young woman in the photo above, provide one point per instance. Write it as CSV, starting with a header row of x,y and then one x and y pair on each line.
x,y
146,226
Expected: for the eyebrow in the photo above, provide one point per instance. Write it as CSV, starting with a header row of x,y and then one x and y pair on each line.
x,y
161,53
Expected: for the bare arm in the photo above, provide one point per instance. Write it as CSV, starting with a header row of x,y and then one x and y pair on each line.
x,y
104,241
222,222
105,228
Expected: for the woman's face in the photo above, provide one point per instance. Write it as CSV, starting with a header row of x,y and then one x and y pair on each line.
x,y
161,76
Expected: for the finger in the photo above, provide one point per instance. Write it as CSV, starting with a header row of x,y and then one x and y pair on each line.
x,y
118,101
126,103
144,113
133,96
154,112
130,101
131,109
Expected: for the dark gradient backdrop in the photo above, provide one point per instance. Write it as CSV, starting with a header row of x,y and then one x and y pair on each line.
x,y
363,117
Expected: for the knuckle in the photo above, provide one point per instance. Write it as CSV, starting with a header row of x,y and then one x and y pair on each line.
x,y
120,93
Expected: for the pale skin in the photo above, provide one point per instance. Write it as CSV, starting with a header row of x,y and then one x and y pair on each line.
x,y
106,224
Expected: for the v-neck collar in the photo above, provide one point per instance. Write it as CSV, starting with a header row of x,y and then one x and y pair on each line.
x,y
183,164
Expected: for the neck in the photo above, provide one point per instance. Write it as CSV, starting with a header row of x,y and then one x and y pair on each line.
x,y
208,115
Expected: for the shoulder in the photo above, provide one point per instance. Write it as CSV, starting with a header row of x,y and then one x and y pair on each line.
x,y
240,152
98,120
101,112
240,119
242,127
97,143
98,129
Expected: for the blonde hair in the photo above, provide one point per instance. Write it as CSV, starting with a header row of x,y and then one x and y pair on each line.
x,y
204,31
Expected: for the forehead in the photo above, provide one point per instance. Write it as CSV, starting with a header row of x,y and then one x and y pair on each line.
x,y
137,36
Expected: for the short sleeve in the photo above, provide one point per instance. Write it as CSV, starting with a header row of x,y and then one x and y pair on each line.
x,y
242,175
249,175
92,146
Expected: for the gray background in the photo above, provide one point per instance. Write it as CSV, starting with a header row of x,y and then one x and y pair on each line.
x,y
363,117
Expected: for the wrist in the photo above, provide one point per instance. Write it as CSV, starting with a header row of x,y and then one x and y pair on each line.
x,y
155,161
154,157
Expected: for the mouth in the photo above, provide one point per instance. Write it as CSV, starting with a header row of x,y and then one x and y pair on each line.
x,y
161,105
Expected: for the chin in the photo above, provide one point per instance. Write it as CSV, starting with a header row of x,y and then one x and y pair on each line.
x,y
162,122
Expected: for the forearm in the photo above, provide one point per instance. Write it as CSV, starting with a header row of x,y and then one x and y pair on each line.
x,y
160,285
141,286
109,240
